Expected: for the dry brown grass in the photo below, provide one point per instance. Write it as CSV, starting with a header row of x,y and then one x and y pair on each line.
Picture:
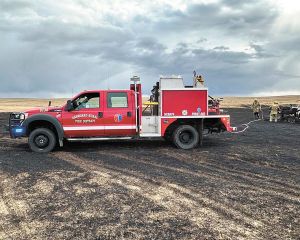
x,y
242,101
21,104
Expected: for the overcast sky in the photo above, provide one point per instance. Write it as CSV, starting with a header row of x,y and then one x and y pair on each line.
x,y
56,48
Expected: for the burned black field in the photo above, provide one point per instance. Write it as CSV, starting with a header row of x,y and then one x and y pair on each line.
x,y
237,186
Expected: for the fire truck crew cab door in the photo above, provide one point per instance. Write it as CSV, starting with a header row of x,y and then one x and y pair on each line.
x,y
86,118
119,113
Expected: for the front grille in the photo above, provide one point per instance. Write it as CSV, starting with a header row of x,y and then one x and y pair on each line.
x,y
15,120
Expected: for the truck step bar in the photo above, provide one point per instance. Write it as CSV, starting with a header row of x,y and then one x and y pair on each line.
x,y
149,135
97,139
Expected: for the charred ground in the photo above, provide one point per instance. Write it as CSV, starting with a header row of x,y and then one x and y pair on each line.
x,y
237,186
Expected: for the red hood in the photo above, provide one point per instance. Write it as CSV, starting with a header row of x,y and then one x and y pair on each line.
x,y
43,110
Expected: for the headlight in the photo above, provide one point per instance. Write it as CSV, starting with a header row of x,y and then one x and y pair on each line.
x,y
23,116
19,116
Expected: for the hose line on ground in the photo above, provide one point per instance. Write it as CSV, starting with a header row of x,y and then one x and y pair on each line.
x,y
246,125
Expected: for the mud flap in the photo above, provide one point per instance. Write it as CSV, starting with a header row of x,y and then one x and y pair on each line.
x,y
61,142
226,123
200,131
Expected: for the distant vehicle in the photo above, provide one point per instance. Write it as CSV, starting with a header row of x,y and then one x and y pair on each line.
x,y
289,113
179,114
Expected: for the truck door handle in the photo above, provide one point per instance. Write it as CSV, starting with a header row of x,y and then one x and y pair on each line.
x,y
100,114
129,114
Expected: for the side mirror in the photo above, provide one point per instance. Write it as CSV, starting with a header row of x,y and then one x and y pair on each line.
x,y
69,106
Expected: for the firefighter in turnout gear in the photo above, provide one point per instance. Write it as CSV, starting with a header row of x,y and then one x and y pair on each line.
x,y
256,107
274,112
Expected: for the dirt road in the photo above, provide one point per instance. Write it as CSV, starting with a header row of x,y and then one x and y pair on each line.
x,y
244,186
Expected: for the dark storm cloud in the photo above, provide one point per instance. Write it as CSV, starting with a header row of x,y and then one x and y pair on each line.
x,y
43,54
57,33
221,48
14,5
241,18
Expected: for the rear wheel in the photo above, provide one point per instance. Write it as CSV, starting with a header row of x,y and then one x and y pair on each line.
x,y
186,137
42,140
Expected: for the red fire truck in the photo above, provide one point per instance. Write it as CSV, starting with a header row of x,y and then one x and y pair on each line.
x,y
176,112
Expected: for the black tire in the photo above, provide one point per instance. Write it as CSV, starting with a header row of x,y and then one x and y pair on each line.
x,y
186,137
42,140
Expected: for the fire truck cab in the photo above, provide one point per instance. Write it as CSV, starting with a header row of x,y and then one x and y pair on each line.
x,y
176,112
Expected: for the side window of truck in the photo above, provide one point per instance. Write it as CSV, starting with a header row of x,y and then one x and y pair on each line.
x,y
117,100
86,101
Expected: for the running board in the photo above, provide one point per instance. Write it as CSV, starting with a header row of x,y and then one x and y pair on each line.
x,y
149,135
96,139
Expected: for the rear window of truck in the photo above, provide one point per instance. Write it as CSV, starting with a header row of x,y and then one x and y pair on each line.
x,y
117,100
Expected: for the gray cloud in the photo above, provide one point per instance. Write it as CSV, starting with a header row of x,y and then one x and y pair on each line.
x,y
46,53
14,5
242,19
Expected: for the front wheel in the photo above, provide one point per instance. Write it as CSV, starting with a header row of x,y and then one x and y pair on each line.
x,y
186,137
42,140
